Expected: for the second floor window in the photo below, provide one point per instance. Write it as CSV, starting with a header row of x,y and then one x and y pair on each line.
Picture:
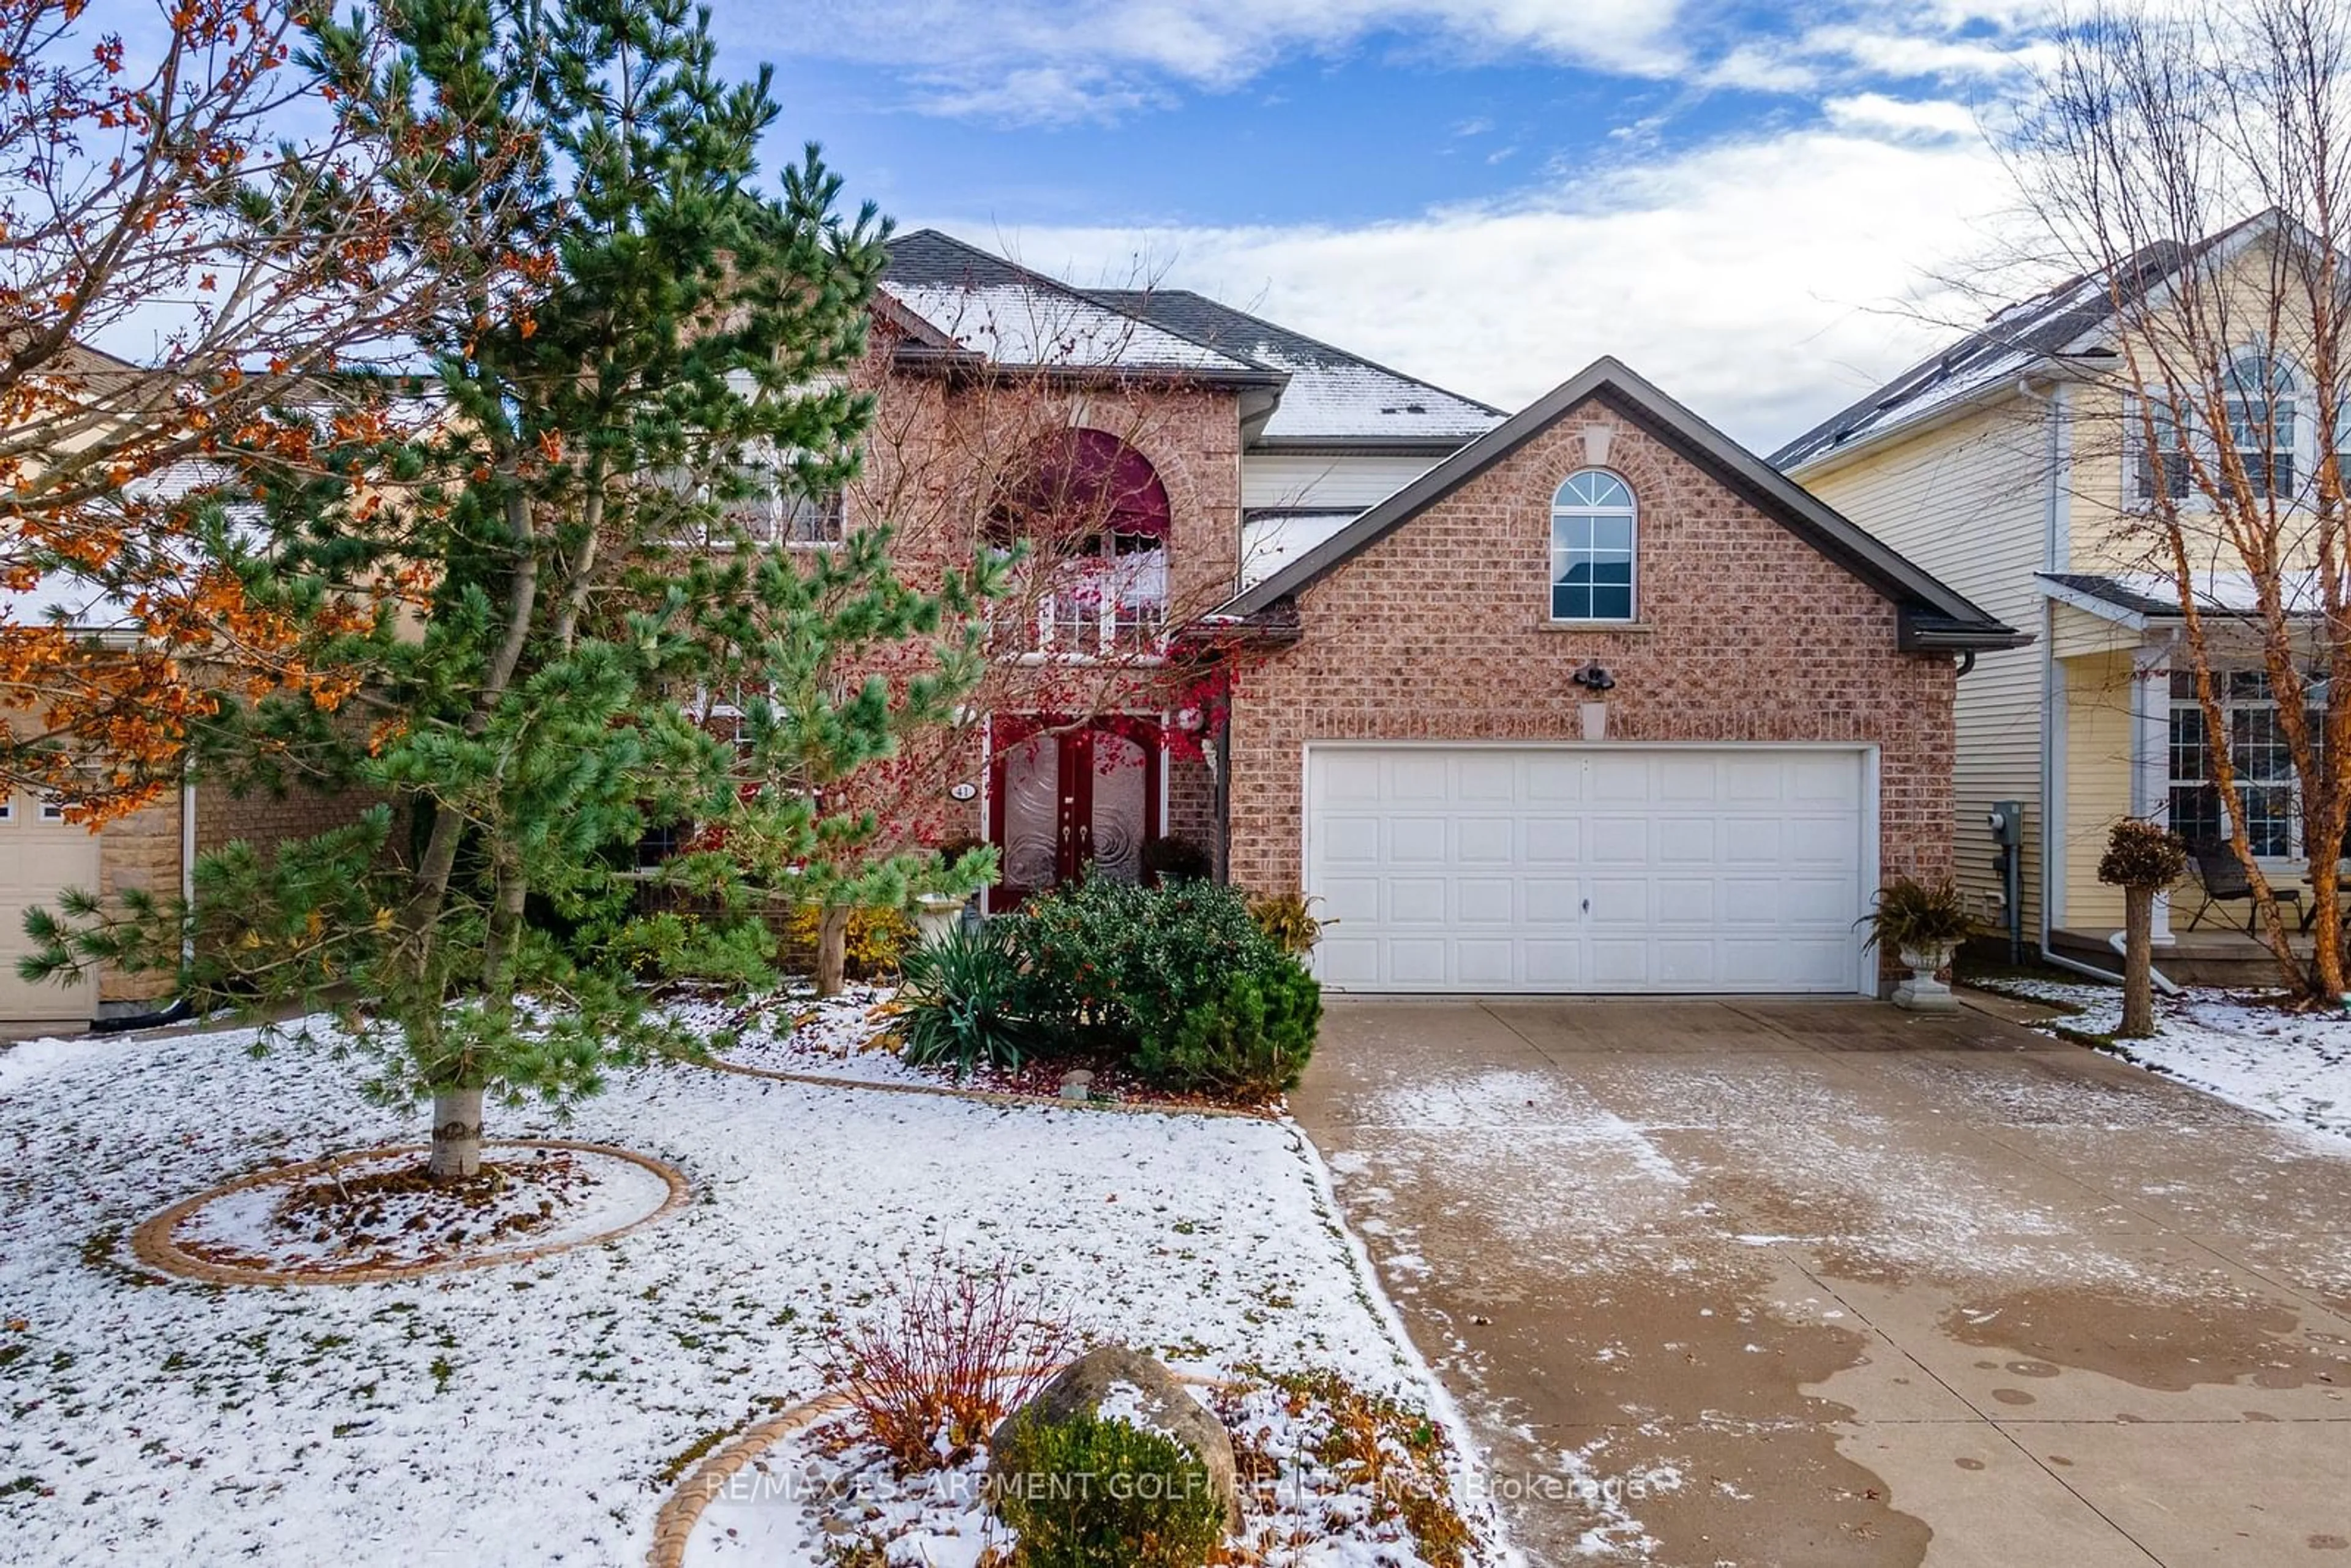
x,y
1095,521
2263,409
1592,525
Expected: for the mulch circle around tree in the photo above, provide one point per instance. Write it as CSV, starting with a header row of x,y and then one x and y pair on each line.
x,y
371,1216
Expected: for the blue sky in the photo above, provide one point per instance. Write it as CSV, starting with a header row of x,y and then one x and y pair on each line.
x,y
1754,205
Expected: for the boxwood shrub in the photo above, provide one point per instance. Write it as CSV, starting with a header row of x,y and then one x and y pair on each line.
x,y
1178,980
1093,1492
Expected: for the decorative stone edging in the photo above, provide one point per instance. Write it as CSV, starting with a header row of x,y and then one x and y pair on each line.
x,y
152,1244
674,1525
991,1096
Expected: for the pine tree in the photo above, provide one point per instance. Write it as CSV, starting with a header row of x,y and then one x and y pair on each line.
x,y
645,338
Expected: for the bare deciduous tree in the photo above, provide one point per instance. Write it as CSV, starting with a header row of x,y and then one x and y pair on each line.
x,y
2191,167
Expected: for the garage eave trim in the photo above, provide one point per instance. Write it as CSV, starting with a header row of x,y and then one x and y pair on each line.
x,y
1963,625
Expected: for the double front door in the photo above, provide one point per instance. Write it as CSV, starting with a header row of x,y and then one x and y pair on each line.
x,y
1070,798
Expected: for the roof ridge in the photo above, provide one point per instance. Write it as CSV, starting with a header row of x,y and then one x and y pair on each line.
x,y
1087,295
1348,354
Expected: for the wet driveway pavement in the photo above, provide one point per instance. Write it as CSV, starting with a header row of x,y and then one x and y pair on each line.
x,y
1823,1283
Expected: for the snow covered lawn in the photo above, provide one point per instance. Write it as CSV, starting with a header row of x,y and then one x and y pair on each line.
x,y
2290,1066
539,1412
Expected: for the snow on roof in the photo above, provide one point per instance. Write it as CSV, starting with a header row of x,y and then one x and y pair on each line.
x,y
2217,593
1015,325
1017,317
1274,537
2012,341
1331,392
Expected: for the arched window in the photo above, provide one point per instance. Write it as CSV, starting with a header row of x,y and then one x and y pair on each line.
x,y
1096,519
1592,547
2263,403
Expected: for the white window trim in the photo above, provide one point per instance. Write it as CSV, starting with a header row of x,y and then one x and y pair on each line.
x,y
1045,631
1631,514
2291,783
2306,448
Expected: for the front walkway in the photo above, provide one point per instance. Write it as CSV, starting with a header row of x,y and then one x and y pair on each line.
x,y
1823,1283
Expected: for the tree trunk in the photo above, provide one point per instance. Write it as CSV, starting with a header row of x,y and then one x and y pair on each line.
x,y
456,1133
2139,963
831,950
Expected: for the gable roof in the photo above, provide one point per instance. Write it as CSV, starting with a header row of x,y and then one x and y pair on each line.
x,y
1334,398
1003,311
2007,346
1934,618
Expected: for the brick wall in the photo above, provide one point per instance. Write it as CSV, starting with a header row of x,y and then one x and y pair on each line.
x,y
141,852
265,819
1439,631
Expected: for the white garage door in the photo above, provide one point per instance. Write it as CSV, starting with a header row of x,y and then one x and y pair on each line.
x,y
39,857
1603,868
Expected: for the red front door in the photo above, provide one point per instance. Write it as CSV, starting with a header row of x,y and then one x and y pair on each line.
x,y
1064,799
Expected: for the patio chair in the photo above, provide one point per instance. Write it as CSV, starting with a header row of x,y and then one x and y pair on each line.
x,y
2224,879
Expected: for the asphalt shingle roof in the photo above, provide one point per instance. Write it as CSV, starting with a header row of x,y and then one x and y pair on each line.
x,y
1019,317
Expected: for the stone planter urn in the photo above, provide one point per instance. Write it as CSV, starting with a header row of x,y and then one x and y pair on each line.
x,y
1922,992
935,914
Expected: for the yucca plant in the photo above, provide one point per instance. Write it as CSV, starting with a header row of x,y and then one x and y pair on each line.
x,y
965,1007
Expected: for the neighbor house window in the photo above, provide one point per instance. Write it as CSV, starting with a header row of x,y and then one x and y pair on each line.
x,y
2263,405
2158,468
2258,751
1592,534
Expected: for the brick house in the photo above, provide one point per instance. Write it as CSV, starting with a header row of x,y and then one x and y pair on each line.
x,y
1583,699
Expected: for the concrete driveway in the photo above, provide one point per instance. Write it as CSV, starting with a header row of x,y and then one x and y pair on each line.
x,y
1822,1283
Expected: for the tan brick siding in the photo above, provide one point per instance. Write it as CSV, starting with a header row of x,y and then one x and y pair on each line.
x,y
1439,631
141,852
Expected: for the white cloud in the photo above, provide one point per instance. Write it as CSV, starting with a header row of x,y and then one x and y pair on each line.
x,y
1901,117
1764,282
1047,60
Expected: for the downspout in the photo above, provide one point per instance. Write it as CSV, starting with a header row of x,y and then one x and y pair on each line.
x,y
2052,558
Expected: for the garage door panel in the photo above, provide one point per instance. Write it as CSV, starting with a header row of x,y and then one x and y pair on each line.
x,y
1483,963
1350,961
39,860
1348,840
1416,900
1418,961
1563,869
1686,840
1486,900
1552,900
1619,901
1426,777
1687,963
1753,840
1682,781
1348,778
1555,778
1821,841
1554,965
1618,840
1353,899
1818,963
1554,841
1485,840
1814,900
1825,779
1485,779
1621,779
1685,901
1416,839
1620,963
